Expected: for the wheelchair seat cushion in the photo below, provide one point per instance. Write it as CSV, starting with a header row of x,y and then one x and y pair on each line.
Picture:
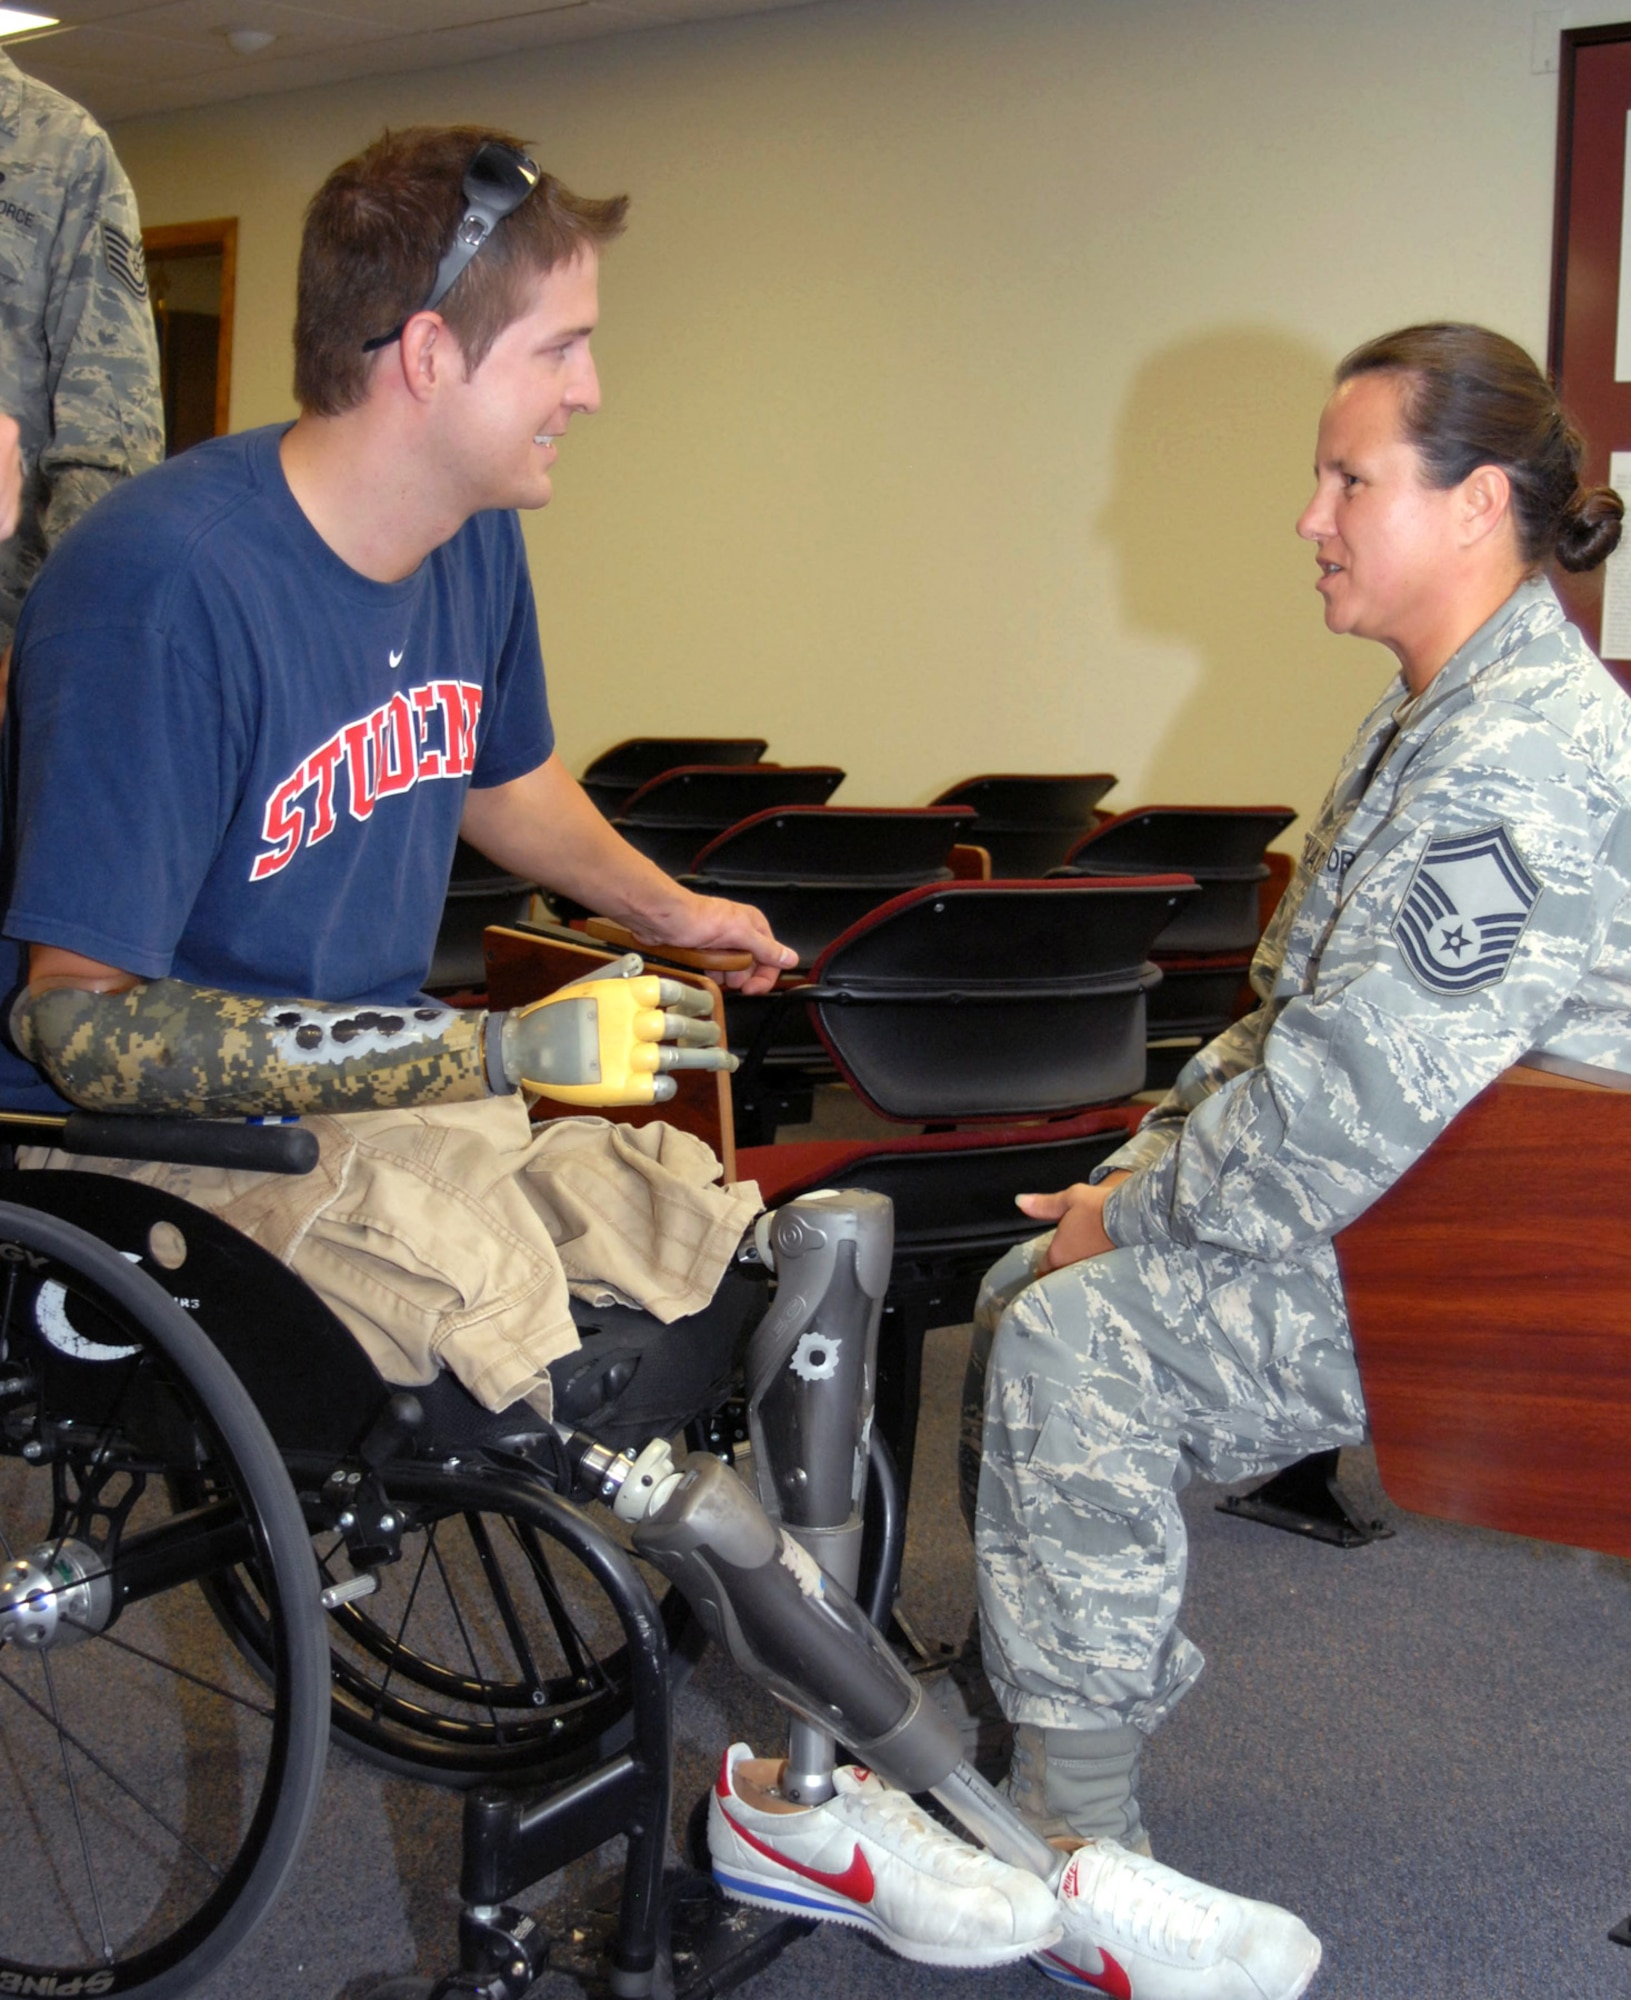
x,y
634,1378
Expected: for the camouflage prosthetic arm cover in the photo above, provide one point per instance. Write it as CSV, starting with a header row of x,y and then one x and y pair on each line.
x,y
166,1046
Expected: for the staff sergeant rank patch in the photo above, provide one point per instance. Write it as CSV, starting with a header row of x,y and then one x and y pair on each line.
x,y
1464,911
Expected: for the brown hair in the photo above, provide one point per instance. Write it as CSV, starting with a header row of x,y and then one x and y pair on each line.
x,y
1471,398
374,236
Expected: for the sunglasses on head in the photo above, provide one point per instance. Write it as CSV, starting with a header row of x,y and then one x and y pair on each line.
x,y
498,180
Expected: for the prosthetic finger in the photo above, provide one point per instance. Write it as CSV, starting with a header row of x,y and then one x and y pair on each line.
x,y
714,1058
629,966
683,1029
684,999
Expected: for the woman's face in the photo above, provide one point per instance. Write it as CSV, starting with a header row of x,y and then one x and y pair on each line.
x,y
1386,541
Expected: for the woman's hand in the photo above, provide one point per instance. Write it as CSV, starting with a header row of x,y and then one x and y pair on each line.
x,y
1078,1217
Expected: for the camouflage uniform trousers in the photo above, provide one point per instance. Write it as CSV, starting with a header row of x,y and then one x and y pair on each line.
x,y
1105,1386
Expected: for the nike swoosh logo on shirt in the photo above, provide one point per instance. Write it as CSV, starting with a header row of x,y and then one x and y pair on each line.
x,y
856,1881
396,658
1110,1977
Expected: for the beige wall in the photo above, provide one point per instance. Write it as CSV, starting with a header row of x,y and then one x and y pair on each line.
x,y
962,361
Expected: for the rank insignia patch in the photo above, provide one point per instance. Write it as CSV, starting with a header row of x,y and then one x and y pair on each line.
x,y
1464,911
125,260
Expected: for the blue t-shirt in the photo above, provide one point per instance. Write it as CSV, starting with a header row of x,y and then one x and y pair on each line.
x,y
230,759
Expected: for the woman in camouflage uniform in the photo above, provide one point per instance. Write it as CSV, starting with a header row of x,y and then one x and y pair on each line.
x,y
1463,903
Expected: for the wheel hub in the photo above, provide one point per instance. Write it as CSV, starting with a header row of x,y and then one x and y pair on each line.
x,y
57,1595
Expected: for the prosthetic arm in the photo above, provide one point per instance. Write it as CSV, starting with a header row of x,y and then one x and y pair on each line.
x,y
161,1045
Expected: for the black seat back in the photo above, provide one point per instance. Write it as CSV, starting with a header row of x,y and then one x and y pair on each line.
x,y
815,870
672,817
1221,846
971,1000
616,773
1028,821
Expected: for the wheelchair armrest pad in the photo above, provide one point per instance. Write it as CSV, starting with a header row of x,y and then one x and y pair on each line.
x,y
193,1142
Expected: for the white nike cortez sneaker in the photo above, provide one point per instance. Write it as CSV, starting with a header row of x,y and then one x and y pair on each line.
x,y
1139,1931
868,1857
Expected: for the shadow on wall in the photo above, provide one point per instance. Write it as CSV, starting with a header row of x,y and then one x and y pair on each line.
x,y
1213,463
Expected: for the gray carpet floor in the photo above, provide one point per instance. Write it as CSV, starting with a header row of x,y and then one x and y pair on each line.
x,y
1420,1746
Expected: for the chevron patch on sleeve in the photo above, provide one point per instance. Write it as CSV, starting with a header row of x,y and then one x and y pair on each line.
x,y
125,260
1465,911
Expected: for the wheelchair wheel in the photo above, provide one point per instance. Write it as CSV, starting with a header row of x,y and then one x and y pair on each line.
x,y
158,1790
490,1651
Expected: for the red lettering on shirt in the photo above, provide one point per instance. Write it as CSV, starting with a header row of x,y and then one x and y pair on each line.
x,y
280,829
396,756
432,764
460,720
469,716
318,770
358,738
426,733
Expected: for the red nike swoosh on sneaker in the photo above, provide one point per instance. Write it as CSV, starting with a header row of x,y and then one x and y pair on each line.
x,y
1110,1977
855,1881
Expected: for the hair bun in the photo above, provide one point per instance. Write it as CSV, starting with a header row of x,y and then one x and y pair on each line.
x,y
1590,529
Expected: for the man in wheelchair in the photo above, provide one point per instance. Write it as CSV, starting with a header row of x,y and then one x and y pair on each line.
x,y
259,693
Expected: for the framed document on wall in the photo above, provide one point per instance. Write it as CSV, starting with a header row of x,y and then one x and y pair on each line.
x,y
1589,351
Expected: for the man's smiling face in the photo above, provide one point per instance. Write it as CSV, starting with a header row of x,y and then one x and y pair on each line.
x,y
503,420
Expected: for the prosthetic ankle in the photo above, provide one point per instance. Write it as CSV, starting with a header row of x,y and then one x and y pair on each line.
x,y
162,1045
1079,1783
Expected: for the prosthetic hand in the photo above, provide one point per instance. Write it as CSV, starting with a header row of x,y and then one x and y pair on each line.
x,y
610,1039
162,1045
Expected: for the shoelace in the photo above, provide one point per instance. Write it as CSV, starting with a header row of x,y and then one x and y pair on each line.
x,y
1128,1893
910,1833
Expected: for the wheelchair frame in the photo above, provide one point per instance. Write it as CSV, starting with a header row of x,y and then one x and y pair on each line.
x,y
562,1763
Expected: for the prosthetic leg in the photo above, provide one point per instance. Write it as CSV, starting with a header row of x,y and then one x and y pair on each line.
x,y
811,1378
771,1575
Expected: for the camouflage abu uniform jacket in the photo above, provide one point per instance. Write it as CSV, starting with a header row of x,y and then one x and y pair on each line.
x,y
1463,901
78,359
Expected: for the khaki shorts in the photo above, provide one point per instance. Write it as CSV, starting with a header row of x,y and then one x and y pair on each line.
x,y
454,1236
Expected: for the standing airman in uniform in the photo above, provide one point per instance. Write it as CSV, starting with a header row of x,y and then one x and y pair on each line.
x,y
79,366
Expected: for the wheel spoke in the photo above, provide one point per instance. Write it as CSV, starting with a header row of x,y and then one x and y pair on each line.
x,y
397,1648
65,1736
479,1678
574,1649
177,1672
62,1736
482,1543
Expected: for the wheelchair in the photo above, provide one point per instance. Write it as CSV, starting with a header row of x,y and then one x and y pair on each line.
x,y
223,1535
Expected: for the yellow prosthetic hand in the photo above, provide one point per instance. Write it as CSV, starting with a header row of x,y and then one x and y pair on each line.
x,y
613,1038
